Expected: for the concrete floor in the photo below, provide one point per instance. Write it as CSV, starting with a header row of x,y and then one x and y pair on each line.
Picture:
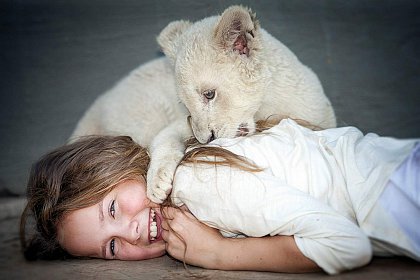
x,y
56,57
13,266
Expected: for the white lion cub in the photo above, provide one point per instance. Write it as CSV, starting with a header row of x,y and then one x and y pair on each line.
x,y
227,71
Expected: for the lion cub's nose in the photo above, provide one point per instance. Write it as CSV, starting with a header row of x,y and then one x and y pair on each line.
x,y
212,137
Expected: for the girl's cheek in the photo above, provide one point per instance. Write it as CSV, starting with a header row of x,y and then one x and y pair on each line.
x,y
124,252
130,205
133,252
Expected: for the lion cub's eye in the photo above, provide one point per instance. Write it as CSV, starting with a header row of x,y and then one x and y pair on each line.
x,y
209,94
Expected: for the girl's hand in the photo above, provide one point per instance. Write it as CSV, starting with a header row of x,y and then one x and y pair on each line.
x,y
192,241
189,240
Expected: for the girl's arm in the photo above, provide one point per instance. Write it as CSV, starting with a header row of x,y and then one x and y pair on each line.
x,y
260,204
190,240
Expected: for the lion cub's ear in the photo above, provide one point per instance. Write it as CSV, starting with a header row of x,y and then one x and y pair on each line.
x,y
236,30
168,37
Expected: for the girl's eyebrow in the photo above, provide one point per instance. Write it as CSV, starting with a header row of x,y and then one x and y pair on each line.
x,y
101,220
103,250
101,212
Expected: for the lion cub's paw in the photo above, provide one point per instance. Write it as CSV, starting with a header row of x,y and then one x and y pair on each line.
x,y
159,179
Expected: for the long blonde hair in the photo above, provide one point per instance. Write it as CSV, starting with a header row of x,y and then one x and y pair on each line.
x,y
73,177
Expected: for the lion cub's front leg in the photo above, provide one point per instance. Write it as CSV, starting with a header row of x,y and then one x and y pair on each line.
x,y
166,151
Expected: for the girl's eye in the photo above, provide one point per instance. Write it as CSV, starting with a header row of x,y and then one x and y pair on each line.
x,y
209,94
112,209
112,247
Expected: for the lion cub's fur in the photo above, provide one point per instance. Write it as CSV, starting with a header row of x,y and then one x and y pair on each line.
x,y
227,71
252,73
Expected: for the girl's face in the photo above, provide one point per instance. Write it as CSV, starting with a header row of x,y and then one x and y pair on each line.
x,y
121,226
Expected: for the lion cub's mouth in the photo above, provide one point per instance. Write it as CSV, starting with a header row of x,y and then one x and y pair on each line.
x,y
243,130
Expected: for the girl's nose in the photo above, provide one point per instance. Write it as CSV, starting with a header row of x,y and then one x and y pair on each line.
x,y
133,232
128,230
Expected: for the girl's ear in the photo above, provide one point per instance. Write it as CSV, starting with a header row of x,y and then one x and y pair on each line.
x,y
168,37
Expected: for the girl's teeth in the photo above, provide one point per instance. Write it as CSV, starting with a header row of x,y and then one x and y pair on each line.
x,y
153,228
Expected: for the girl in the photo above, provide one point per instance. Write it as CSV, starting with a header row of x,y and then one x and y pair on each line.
x,y
305,200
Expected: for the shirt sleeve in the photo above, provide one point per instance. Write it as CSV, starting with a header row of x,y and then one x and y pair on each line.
x,y
258,204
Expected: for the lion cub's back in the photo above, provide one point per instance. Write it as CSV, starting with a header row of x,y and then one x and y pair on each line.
x,y
139,105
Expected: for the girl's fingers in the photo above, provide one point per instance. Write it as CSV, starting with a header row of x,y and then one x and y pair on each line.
x,y
177,220
165,225
169,212
185,208
164,235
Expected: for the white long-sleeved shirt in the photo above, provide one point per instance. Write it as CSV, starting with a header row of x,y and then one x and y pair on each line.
x,y
317,186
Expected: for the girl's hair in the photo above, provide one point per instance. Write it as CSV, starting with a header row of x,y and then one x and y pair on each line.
x,y
81,174
73,177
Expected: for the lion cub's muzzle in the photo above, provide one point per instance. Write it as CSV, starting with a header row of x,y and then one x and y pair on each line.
x,y
242,130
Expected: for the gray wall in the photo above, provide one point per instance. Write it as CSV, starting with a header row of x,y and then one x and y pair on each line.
x,y
58,56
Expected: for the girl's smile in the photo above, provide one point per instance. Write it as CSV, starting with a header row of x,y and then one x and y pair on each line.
x,y
155,226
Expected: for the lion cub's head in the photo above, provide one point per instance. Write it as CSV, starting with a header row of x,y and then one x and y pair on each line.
x,y
219,72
